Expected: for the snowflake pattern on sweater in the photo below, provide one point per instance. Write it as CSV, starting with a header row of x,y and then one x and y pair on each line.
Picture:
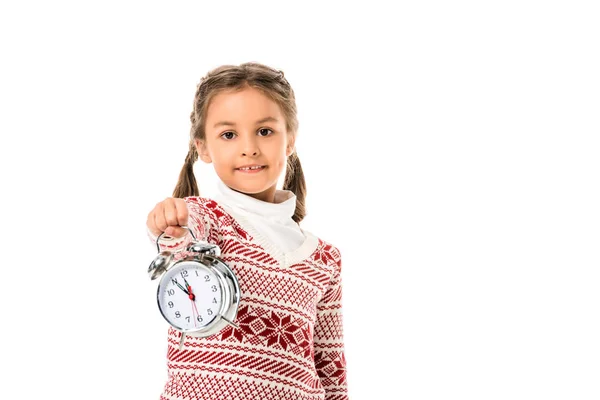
x,y
289,344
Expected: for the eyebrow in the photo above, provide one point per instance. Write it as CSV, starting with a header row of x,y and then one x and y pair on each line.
x,y
260,121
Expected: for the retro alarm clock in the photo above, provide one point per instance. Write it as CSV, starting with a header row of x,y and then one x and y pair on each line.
x,y
198,294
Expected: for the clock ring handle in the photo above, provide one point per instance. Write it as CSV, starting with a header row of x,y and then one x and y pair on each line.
x,y
184,227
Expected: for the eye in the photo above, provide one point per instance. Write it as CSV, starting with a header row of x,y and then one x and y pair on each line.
x,y
260,131
227,135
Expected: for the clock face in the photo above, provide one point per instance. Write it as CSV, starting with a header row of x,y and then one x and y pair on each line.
x,y
190,296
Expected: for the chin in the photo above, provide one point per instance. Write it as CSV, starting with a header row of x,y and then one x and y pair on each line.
x,y
245,187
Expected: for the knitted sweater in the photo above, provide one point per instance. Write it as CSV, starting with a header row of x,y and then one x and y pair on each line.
x,y
290,342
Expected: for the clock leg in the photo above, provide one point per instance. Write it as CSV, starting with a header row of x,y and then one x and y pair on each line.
x,y
230,323
182,339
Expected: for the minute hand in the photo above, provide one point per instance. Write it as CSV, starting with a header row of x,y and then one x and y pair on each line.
x,y
182,288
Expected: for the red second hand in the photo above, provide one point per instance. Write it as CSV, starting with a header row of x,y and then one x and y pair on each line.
x,y
192,298
194,314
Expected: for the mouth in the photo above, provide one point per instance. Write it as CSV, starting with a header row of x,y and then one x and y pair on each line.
x,y
251,168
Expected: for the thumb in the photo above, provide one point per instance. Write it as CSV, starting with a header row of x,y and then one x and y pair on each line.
x,y
175,231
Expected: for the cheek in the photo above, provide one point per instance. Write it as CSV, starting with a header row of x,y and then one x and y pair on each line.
x,y
221,155
279,155
278,147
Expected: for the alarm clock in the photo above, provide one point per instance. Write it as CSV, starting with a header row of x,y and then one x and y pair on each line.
x,y
198,294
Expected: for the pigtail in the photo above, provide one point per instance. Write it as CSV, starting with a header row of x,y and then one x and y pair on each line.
x,y
186,185
294,181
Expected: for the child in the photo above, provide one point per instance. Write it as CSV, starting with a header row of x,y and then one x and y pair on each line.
x,y
289,344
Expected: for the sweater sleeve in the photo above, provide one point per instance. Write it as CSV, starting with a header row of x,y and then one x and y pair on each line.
x,y
202,220
330,360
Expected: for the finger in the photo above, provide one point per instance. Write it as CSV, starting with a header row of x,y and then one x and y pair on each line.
x,y
159,218
170,212
151,225
182,212
176,232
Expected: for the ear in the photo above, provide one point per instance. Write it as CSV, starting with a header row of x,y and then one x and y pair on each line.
x,y
202,151
289,149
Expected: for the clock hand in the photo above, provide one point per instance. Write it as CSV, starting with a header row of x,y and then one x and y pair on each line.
x,y
189,288
194,315
182,288
192,297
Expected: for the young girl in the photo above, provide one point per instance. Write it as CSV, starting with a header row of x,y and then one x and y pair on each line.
x,y
289,344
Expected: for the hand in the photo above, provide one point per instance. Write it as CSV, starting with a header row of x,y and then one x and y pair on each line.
x,y
168,216
192,299
182,288
189,290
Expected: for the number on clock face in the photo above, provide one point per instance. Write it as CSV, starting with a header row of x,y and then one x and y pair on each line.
x,y
189,296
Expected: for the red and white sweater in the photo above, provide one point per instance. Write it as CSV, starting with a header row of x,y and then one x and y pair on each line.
x,y
290,342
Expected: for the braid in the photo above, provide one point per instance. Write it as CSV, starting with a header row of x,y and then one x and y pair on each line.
x,y
294,181
186,184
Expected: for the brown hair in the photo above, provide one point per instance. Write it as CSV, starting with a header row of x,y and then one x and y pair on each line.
x,y
274,85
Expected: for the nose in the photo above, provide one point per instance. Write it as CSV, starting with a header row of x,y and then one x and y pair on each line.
x,y
250,146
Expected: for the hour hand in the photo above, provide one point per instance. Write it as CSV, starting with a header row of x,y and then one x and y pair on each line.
x,y
182,288
187,285
189,288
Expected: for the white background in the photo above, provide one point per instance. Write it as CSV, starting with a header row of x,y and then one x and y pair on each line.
x,y
450,149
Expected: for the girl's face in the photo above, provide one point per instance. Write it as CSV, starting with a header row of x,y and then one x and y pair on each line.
x,y
246,129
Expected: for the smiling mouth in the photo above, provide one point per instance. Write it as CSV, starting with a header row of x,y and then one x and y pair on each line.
x,y
251,169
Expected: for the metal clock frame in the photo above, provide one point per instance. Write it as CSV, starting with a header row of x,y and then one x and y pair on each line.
x,y
207,255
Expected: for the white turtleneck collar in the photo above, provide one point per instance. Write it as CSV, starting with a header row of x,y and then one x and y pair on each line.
x,y
271,224
282,209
